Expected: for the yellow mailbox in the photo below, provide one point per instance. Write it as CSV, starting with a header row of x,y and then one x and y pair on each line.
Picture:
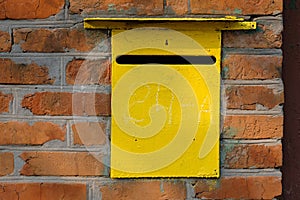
x,y
166,94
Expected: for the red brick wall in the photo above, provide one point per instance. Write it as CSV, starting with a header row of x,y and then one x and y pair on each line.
x,y
43,46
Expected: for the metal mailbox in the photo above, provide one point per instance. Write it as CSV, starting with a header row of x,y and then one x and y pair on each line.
x,y
166,94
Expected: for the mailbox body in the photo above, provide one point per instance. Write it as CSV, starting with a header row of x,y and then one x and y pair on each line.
x,y
165,116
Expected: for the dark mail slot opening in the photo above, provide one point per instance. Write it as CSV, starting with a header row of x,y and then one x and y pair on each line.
x,y
166,59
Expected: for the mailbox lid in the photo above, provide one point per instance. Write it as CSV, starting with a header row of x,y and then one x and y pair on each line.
x,y
220,23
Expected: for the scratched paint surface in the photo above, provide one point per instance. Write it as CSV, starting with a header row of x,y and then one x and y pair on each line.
x,y
165,118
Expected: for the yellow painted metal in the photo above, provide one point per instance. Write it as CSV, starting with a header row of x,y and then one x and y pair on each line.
x,y
165,118
164,19
225,23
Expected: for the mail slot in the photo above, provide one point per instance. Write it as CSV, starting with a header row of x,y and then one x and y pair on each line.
x,y
165,59
166,95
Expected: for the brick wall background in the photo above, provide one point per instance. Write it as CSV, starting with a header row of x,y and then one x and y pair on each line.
x,y
42,46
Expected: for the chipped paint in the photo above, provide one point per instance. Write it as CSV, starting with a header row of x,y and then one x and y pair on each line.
x,y
111,8
231,131
162,190
225,71
237,11
226,148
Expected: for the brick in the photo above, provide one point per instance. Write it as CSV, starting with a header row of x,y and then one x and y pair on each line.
x,y
6,164
267,35
239,187
253,97
57,40
232,7
61,164
89,133
150,190
253,127
30,9
177,7
5,41
251,67
64,103
142,7
22,133
240,156
2,9
13,73
43,191
87,72
5,101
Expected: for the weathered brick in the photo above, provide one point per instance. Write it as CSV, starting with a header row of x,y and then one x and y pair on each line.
x,y
87,72
232,7
251,67
57,40
147,190
253,127
2,9
6,164
142,7
89,133
239,187
43,191
22,133
5,41
30,9
13,73
5,100
178,7
64,103
61,164
267,35
239,156
250,97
